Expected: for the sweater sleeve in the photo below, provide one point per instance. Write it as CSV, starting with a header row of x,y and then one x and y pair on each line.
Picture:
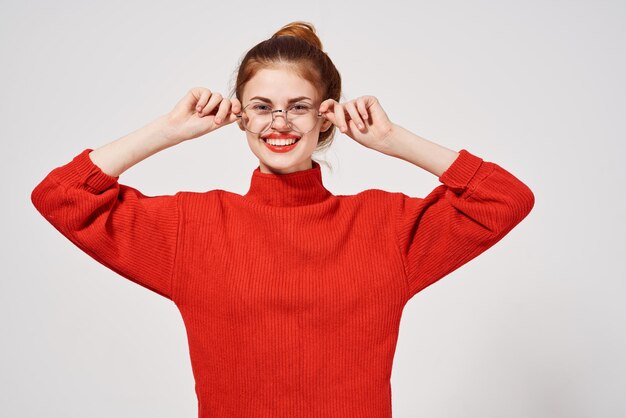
x,y
131,234
477,205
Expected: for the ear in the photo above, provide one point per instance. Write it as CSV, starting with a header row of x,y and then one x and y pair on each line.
x,y
240,125
326,125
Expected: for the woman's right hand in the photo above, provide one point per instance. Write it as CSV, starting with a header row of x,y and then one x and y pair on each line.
x,y
199,112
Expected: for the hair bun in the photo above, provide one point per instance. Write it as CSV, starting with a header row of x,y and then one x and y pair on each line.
x,y
300,29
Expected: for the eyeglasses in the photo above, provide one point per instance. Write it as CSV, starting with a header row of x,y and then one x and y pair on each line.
x,y
258,118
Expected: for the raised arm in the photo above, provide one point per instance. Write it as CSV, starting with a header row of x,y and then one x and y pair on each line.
x,y
133,234
478,203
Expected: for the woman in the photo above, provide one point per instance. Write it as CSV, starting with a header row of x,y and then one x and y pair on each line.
x,y
291,296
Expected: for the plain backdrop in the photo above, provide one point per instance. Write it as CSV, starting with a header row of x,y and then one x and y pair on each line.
x,y
534,327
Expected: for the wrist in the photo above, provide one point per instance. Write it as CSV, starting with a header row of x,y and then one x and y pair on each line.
x,y
387,144
165,130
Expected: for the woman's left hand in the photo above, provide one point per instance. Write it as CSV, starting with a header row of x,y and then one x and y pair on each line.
x,y
362,119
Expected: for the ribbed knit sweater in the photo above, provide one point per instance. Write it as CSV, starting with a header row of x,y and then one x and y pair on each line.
x,y
291,296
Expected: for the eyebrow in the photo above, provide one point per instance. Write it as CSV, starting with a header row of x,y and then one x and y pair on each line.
x,y
295,99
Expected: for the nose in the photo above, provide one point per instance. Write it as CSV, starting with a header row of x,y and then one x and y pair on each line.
x,y
280,121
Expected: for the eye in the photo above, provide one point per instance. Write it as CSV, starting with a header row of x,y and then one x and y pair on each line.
x,y
261,107
300,108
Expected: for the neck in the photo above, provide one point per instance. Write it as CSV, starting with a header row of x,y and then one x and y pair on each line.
x,y
298,188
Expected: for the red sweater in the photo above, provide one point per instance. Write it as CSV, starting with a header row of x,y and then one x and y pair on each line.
x,y
291,296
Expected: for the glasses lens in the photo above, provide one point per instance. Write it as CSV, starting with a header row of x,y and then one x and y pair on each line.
x,y
257,118
302,118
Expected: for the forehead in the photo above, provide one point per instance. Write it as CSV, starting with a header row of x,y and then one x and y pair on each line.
x,y
279,86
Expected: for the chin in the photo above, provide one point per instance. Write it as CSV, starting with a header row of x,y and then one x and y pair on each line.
x,y
286,163
282,162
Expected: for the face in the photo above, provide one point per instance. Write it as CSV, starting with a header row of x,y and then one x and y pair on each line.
x,y
279,86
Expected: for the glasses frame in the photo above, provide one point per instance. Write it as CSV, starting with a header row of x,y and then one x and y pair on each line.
x,y
286,112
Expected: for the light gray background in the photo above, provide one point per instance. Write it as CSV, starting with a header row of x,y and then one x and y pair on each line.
x,y
534,327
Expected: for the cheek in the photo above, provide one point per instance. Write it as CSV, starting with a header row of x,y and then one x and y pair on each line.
x,y
254,143
310,143
252,138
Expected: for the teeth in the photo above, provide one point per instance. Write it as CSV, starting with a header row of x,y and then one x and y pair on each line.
x,y
280,141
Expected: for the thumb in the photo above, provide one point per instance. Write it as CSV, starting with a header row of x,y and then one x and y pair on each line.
x,y
331,117
232,117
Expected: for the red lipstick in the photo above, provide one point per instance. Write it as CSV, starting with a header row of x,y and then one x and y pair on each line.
x,y
280,148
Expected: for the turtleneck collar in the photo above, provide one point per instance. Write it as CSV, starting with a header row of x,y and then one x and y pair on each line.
x,y
299,188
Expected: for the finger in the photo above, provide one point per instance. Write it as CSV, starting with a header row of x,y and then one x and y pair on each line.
x,y
360,104
236,105
222,111
354,115
204,97
330,116
341,118
327,105
214,100
327,108
235,110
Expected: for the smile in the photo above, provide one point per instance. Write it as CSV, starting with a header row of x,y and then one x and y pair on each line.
x,y
280,145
